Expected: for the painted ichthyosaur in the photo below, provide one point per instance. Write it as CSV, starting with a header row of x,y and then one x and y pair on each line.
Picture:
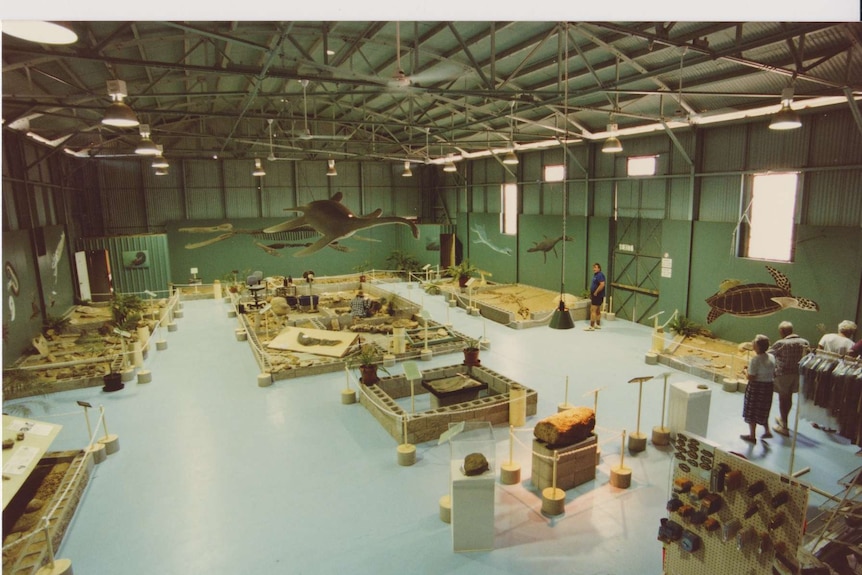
x,y
334,222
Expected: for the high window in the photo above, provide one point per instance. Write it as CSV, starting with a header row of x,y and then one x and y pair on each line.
x,y
509,213
555,173
641,165
771,215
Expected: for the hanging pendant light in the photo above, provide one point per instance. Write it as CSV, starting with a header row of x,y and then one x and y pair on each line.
x,y
562,317
258,168
162,171
330,170
449,166
786,118
146,147
39,31
160,162
407,171
510,158
119,114
612,145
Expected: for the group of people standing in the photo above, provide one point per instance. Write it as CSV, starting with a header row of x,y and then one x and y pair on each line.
x,y
775,369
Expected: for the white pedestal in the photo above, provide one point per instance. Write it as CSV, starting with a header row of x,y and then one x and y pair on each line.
x,y
472,500
688,408
517,406
60,567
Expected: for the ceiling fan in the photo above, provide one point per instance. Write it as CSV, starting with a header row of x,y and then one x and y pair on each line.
x,y
306,131
402,80
272,157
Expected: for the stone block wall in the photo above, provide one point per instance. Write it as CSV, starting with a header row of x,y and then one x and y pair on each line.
x,y
576,464
379,400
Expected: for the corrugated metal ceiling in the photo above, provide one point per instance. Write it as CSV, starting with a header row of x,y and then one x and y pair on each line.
x,y
212,87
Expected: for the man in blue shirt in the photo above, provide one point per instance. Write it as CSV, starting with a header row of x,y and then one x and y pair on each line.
x,y
597,296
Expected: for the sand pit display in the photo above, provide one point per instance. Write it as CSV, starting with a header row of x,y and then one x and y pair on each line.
x,y
708,357
314,341
515,305
80,348
332,337
55,487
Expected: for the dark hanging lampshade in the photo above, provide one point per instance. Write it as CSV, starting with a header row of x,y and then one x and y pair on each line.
x,y
562,318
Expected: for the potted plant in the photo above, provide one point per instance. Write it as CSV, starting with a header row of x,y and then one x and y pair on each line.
x,y
471,351
403,262
364,361
113,381
231,280
126,311
462,271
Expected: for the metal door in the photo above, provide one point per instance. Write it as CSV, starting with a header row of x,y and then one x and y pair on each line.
x,y
636,269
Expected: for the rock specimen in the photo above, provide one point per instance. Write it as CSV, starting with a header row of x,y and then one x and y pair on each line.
x,y
279,306
475,464
567,427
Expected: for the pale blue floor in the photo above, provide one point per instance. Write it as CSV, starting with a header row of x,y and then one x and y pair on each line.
x,y
219,476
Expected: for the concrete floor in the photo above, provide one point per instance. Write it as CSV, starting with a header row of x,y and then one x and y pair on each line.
x,y
217,475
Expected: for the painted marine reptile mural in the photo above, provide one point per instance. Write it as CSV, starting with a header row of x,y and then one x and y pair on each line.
x,y
547,245
754,300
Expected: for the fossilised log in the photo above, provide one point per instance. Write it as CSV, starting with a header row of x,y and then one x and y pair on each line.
x,y
567,427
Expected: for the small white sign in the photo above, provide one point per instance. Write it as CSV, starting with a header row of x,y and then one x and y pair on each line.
x,y
666,267
20,460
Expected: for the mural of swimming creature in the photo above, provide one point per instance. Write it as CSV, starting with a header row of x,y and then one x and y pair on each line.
x,y
755,300
547,245
58,255
268,249
479,230
334,221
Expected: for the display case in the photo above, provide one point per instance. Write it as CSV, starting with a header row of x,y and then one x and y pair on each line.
x,y
471,487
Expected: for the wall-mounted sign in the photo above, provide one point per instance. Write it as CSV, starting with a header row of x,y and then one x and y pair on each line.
x,y
139,259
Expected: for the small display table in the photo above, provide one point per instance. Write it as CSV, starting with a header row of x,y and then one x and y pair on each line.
x,y
21,459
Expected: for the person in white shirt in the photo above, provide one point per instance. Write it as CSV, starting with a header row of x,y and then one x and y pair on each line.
x,y
841,342
758,393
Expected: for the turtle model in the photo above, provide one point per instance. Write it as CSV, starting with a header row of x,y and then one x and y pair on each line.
x,y
754,300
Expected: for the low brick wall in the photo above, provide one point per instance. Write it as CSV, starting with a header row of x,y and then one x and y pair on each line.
x,y
379,400
576,464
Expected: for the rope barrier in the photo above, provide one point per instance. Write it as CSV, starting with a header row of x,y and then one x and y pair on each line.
x,y
62,498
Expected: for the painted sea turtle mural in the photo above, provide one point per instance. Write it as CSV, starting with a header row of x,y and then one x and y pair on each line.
x,y
754,300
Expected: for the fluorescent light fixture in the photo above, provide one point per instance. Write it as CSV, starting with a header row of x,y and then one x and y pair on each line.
x,y
258,168
39,31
